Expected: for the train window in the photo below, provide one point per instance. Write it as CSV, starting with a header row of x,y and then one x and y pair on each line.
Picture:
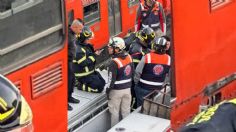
x,y
31,34
92,13
9,7
132,2
70,16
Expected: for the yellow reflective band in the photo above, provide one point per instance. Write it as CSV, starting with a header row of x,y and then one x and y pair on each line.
x,y
144,37
92,58
6,114
77,35
3,104
83,74
83,50
233,101
92,90
136,60
83,87
143,53
153,35
86,69
86,34
81,60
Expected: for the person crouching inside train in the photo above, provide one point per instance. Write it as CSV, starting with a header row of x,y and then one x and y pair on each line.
x,y
84,64
138,48
150,73
120,70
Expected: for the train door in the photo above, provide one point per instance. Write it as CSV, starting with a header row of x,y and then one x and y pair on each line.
x,y
114,17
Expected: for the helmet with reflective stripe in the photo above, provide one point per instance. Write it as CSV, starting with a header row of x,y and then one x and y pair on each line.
x,y
117,43
86,33
14,110
159,45
146,35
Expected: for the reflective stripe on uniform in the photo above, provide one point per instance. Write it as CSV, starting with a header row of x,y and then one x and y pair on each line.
x,y
155,25
80,60
151,83
92,90
86,69
148,58
169,60
83,74
123,81
92,58
118,62
233,101
136,60
83,87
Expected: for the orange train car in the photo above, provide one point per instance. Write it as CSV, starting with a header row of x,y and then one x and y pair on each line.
x,y
33,48
203,52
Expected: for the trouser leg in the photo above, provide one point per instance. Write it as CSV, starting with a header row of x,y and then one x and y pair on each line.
x,y
114,106
125,103
71,79
93,83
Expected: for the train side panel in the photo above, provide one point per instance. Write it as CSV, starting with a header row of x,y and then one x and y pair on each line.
x,y
204,51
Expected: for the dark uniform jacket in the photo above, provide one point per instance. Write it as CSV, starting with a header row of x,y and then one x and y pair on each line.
x,y
219,118
153,17
120,71
155,70
137,51
84,62
71,45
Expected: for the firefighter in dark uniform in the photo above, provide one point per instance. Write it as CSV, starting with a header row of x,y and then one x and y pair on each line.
x,y
120,71
152,70
15,113
74,31
137,50
84,65
151,14
219,118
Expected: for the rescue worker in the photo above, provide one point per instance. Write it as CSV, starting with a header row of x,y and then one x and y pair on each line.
x,y
120,72
84,64
151,14
219,118
167,44
15,113
74,31
151,71
137,50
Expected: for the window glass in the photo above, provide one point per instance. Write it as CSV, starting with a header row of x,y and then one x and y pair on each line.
x,y
30,34
71,17
92,13
132,2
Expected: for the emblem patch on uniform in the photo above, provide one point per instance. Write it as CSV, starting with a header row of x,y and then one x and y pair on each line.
x,y
158,69
127,70
156,13
144,14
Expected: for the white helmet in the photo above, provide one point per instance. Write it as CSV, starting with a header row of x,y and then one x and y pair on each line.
x,y
117,42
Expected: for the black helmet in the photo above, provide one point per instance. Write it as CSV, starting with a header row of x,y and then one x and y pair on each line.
x,y
146,35
15,113
86,33
159,45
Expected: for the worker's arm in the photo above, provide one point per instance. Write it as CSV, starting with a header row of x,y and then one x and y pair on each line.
x,y
81,58
162,18
139,70
138,19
